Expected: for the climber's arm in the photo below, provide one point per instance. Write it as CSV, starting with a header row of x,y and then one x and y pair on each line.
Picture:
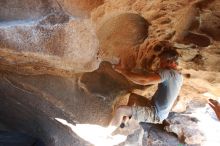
x,y
140,79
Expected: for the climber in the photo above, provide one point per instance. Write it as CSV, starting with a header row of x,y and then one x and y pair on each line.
x,y
215,105
169,82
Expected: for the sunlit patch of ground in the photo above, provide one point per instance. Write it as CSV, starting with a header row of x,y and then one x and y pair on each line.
x,y
95,134
208,124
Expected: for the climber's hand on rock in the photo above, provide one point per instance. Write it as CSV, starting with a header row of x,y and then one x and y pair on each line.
x,y
214,102
215,106
121,70
118,67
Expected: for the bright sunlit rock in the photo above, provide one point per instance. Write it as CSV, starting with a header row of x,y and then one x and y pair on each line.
x,y
208,123
95,134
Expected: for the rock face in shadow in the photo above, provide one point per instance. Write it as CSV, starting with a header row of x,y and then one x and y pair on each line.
x,y
25,110
31,103
196,39
63,93
105,82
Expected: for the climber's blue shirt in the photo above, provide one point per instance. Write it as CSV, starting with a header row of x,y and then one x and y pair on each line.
x,y
167,92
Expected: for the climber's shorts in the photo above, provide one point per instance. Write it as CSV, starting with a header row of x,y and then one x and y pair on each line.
x,y
145,114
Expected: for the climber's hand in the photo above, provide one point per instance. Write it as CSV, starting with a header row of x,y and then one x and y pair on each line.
x,y
215,106
118,67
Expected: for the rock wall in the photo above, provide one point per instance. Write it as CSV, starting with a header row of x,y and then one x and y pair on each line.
x,y
50,44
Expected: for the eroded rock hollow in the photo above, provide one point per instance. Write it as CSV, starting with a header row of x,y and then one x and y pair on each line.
x,y
56,59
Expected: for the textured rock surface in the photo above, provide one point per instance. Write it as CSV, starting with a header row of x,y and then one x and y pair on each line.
x,y
80,8
155,135
54,44
26,9
210,19
120,34
51,53
26,108
189,134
